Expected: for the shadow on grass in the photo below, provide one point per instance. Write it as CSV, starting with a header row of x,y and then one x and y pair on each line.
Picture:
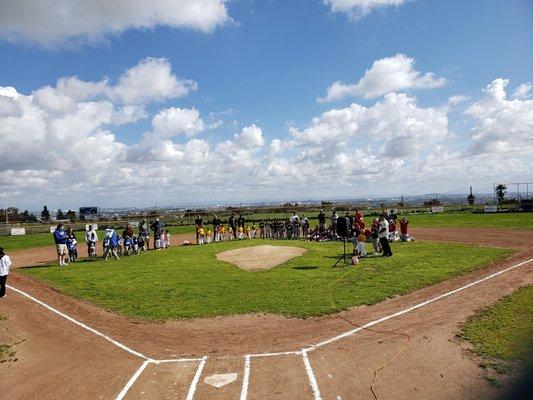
x,y
305,267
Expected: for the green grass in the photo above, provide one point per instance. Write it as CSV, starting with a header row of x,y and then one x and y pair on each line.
x,y
458,219
188,281
503,333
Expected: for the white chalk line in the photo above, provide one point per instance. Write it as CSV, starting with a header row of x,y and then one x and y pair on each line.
x,y
81,324
245,377
311,376
194,383
132,380
416,306
309,369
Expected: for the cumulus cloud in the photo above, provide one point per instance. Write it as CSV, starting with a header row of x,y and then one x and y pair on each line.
x,y
59,143
151,80
390,74
358,8
502,125
523,91
173,121
402,127
63,21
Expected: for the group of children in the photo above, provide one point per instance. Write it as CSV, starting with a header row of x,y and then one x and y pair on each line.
x,y
130,244
113,244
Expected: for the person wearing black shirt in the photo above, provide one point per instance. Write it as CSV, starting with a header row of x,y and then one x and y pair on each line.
x,y
231,223
241,222
216,228
321,219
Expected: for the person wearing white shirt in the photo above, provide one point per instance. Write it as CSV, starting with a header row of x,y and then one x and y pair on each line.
x,y
5,263
383,234
91,238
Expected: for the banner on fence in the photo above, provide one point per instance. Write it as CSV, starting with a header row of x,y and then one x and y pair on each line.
x,y
490,208
52,229
134,224
95,226
18,231
437,209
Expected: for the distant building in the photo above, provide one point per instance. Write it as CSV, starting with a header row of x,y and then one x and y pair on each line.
x,y
88,213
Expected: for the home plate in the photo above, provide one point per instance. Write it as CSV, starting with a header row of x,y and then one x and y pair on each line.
x,y
219,380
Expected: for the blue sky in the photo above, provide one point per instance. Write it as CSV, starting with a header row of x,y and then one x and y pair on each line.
x,y
265,64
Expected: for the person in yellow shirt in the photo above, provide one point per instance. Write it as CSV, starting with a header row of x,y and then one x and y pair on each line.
x,y
201,235
241,232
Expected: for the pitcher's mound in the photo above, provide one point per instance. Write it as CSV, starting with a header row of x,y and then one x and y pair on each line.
x,y
260,257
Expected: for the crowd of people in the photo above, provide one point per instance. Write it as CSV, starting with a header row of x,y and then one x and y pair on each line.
x,y
114,244
380,233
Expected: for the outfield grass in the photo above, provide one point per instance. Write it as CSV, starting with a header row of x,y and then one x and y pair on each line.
x,y
503,333
189,281
460,220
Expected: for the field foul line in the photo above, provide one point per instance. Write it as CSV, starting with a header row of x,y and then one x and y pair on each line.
x,y
247,366
81,324
419,305
309,369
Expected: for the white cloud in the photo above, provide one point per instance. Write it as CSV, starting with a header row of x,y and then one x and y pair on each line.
x,y
151,80
386,75
359,8
402,128
63,21
250,137
523,91
502,125
173,121
60,145
454,101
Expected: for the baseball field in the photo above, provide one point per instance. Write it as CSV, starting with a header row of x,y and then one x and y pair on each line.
x,y
190,323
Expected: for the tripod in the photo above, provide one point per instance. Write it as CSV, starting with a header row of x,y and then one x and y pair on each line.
x,y
344,257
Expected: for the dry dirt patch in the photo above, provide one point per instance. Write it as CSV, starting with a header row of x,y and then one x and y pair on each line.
x,y
257,258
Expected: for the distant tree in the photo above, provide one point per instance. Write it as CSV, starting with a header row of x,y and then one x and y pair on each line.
x,y
471,199
432,202
501,191
45,214
60,214
326,203
71,215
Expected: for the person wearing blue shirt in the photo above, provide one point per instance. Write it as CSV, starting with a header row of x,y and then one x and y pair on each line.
x,y
60,238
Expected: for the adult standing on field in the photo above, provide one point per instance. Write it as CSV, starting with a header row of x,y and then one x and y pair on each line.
x,y
216,228
60,238
157,227
91,238
144,232
231,223
383,235
5,263
199,223
321,219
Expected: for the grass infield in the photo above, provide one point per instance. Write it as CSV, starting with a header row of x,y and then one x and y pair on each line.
x,y
188,281
503,333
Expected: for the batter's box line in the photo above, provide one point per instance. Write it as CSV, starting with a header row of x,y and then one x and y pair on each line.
x,y
303,352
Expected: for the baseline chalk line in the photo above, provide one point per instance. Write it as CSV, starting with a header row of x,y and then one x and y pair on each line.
x,y
81,324
416,306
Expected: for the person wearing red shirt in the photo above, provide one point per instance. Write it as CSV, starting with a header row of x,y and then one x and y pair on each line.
x,y
404,223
